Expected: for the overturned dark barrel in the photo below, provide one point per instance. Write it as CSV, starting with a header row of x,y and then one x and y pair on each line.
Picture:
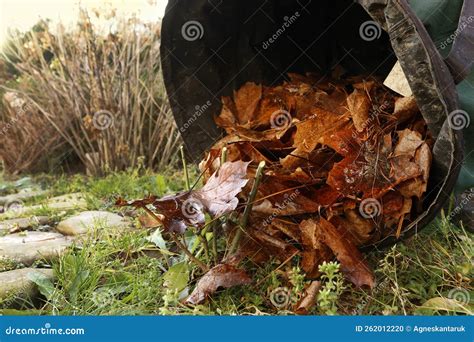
x,y
212,47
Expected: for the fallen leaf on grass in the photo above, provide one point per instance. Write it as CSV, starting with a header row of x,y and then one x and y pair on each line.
x,y
314,251
274,245
219,194
175,212
309,299
221,276
352,262
217,197
311,259
360,230
447,305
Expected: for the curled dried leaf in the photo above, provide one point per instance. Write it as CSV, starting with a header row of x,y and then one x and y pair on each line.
x,y
304,306
218,197
221,276
219,194
359,105
352,262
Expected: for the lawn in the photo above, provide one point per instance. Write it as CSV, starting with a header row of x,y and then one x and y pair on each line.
x,y
137,272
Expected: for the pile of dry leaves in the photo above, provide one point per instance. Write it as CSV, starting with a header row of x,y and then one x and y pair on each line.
x,y
346,165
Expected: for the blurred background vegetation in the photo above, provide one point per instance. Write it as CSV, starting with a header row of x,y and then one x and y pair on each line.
x,y
81,100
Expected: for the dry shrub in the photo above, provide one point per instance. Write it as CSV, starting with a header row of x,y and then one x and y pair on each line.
x,y
26,137
103,94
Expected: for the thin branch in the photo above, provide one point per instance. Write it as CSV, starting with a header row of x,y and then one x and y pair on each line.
x,y
248,208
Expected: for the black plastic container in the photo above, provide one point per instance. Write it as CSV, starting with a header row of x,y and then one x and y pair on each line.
x,y
212,47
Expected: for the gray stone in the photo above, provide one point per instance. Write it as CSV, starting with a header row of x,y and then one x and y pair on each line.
x,y
20,224
21,196
60,203
17,284
28,247
89,220
66,202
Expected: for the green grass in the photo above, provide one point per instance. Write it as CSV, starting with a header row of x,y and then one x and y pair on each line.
x,y
435,264
129,274
128,184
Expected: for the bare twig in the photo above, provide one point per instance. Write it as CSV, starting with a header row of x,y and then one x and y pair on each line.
x,y
248,207
185,168
190,255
